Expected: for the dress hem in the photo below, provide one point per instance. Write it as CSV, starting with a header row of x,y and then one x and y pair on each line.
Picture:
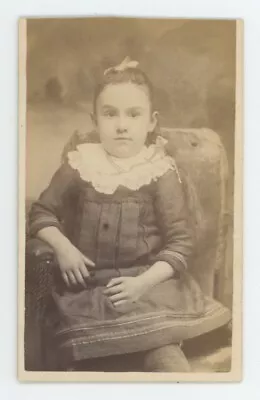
x,y
122,341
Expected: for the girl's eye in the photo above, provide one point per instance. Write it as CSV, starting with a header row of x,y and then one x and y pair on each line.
x,y
134,114
110,113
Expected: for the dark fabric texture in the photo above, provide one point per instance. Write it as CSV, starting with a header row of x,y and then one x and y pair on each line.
x,y
118,230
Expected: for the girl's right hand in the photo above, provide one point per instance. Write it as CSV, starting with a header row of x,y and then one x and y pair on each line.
x,y
73,265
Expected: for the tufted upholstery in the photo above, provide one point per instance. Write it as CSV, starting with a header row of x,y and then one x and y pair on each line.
x,y
202,160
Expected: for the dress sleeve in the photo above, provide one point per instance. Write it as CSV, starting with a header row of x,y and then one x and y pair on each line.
x,y
48,210
172,216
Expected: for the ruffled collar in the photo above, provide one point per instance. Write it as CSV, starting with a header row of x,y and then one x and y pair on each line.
x,y
107,173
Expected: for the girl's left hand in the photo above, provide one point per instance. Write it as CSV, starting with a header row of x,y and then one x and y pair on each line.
x,y
124,290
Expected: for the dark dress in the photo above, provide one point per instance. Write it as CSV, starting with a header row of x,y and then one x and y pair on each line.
x,y
124,233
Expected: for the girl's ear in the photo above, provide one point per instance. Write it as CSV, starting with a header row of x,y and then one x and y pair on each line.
x,y
154,121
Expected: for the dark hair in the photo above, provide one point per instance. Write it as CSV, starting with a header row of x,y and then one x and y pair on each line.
x,y
134,75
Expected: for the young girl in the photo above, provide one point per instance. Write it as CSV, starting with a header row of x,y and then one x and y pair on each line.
x,y
124,260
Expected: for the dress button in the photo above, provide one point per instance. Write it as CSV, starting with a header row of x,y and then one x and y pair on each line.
x,y
105,226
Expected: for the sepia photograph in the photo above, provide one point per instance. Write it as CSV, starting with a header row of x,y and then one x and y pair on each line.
x,y
130,187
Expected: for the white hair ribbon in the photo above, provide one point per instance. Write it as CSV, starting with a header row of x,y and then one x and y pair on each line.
x,y
126,63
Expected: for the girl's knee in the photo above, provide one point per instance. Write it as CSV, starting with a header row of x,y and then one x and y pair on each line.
x,y
168,358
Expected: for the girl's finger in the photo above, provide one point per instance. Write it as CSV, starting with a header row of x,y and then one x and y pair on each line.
x,y
119,303
79,278
72,278
87,261
84,271
118,296
66,279
115,281
113,290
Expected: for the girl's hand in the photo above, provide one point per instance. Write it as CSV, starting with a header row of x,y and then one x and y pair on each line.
x,y
125,289
73,265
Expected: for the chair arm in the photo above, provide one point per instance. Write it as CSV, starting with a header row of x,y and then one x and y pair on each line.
x,y
41,265
39,250
39,280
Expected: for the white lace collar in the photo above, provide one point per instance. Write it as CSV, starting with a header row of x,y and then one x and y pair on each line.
x,y
107,173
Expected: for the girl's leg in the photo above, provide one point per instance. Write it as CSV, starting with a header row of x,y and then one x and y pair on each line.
x,y
168,358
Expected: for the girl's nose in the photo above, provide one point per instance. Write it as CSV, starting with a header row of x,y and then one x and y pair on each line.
x,y
121,125
121,130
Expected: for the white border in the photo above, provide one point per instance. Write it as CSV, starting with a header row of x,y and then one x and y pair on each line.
x,y
9,13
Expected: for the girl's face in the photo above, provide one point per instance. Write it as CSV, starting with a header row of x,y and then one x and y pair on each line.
x,y
123,118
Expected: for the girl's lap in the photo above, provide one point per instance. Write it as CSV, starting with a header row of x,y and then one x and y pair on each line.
x,y
181,296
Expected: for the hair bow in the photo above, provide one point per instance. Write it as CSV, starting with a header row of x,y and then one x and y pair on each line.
x,y
126,63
